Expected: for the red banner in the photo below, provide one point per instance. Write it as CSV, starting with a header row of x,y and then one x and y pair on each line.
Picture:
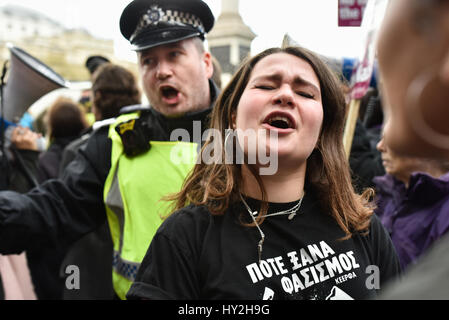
x,y
350,12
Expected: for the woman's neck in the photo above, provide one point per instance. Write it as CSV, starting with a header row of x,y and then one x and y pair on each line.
x,y
284,186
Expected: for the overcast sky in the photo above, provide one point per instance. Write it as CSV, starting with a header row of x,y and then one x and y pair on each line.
x,y
311,23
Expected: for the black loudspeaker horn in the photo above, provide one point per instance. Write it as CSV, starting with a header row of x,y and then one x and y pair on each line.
x,y
28,80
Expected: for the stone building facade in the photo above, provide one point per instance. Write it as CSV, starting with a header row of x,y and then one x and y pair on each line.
x,y
63,50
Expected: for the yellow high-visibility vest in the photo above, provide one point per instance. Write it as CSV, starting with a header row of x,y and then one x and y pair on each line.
x,y
132,195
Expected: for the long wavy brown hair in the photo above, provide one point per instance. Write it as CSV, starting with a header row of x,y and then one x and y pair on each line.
x,y
218,185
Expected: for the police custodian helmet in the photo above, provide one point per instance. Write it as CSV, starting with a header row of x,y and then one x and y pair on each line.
x,y
150,23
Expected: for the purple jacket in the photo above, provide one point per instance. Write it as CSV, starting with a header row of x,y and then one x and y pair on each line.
x,y
415,217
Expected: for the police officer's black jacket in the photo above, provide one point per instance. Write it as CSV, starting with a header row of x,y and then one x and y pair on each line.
x,y
61,211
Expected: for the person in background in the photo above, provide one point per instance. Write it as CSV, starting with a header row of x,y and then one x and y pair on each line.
x,y
91,64
416,94
373,118
364,160
241,231
15,277
65,122
412,202
95,61
25,148
113,87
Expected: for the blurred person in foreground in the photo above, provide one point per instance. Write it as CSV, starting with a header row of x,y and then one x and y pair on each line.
x,y
412,202
127,167
415,79
413,54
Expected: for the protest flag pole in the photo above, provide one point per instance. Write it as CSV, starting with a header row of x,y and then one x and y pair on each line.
x,y
351,121
373,15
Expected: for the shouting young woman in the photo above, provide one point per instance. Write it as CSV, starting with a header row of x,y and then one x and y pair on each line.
x,y
299,232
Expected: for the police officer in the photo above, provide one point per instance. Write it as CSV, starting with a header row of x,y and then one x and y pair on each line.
x,y
126,168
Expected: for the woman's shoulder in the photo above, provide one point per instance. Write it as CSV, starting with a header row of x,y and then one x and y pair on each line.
x,y
376,235
186,229
379,240
188,219
375,229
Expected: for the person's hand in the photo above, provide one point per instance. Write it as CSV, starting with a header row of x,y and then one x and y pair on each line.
x,y
25,139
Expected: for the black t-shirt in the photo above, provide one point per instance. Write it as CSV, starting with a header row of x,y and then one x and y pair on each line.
x,y
196,255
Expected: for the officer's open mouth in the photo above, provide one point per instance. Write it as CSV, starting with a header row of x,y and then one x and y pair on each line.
x,y
169,92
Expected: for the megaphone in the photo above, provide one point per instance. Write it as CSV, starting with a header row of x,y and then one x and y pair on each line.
x,y
28,80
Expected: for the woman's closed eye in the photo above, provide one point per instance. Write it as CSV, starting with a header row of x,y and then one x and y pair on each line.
x,y
264,87
300,91
305,94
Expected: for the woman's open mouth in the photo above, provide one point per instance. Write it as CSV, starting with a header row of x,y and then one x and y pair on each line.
x,y
280,121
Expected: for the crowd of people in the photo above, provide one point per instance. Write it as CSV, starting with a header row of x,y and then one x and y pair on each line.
x,y
178,200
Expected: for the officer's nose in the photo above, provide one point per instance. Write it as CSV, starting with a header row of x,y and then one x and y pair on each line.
x,y
163,70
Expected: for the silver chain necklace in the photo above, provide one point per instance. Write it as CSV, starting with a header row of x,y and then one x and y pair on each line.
x,y
291,214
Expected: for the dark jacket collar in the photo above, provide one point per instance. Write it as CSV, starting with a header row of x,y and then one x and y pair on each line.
x,y
423,188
